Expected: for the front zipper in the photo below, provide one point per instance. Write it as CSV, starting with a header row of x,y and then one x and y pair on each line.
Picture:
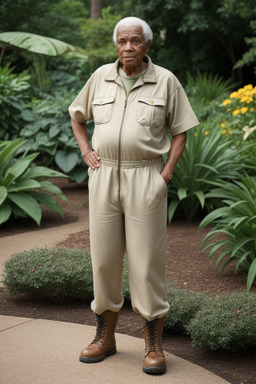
x,y
119,149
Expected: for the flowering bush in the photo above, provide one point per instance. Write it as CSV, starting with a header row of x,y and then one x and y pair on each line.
x,y
240,109
226,322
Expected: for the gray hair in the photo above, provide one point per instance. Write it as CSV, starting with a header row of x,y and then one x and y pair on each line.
x,y
135,22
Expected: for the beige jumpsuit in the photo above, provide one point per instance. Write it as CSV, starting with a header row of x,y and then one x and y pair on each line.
x,y
127,194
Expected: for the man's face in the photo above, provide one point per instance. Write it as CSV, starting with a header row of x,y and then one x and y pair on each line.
x,y
131,46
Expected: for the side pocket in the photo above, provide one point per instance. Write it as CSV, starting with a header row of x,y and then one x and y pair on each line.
x,y
102,109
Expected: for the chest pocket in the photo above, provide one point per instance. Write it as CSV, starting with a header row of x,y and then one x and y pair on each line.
x,y
150,111
102,109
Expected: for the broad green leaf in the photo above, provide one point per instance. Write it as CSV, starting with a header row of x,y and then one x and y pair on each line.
x,y
49,187
41,172
48,200
29,115
54,131
35,43
66,160
5,212
79,175
3,194
15,170
171,209
9,150
182,193
24,185
201,197
28,204
251,275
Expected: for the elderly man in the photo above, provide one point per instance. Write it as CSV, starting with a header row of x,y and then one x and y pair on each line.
x,y
134,104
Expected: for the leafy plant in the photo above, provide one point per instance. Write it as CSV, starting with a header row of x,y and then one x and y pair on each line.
x,y
236,220
57,274
207,157
15,90
48,131
206,87
23,187
183,307
39,46
226,322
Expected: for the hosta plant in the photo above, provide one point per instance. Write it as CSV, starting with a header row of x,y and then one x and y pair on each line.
x,y
237,221
207,157
23,186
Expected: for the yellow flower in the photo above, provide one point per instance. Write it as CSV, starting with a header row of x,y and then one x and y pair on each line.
x,y
236,112
195,134
206,132
226,102
229,129
251,109
244,99
224,131
223,125
243,110
249,86
233,95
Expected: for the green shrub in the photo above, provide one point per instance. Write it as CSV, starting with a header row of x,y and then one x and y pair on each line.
x,y
50,273
53,273
15,90
183,307
236,220
207,157
227,322
23,187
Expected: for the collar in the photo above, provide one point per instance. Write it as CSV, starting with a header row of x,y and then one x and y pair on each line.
x,y
148,77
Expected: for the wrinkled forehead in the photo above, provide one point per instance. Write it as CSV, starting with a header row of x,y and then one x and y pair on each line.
x,y
131,31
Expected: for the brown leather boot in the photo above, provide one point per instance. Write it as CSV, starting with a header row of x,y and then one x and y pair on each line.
x,y
104,343
154,361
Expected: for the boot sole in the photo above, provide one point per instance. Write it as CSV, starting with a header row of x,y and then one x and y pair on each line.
x,y
154,370
97,359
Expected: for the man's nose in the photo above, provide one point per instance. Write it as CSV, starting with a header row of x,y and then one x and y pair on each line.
x,y
128,46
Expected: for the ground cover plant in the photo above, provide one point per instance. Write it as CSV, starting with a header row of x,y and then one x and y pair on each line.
x,y
23,186
227,322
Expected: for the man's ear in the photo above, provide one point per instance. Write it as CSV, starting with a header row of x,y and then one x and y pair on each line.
x,y
148,45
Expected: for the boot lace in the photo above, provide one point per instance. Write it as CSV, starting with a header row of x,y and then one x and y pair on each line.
x,y
100,331
152,333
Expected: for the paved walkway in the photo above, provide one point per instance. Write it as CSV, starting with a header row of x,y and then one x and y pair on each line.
x,y
36,351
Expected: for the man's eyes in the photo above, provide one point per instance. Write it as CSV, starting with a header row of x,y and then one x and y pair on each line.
x,y
135,41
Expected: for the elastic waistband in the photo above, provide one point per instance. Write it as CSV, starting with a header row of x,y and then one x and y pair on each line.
x,y
131,164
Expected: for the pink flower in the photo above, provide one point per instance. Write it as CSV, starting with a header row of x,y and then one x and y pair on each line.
x,y
238,311
32,270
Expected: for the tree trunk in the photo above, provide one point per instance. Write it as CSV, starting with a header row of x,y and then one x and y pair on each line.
x,y
95,9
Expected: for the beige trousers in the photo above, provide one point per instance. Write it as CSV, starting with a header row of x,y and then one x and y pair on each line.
x,y
127,206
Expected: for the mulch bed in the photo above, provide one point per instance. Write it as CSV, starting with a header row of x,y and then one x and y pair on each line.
x,y
187,268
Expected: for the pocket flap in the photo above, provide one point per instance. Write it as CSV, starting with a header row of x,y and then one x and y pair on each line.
x,y
103,100
152,101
